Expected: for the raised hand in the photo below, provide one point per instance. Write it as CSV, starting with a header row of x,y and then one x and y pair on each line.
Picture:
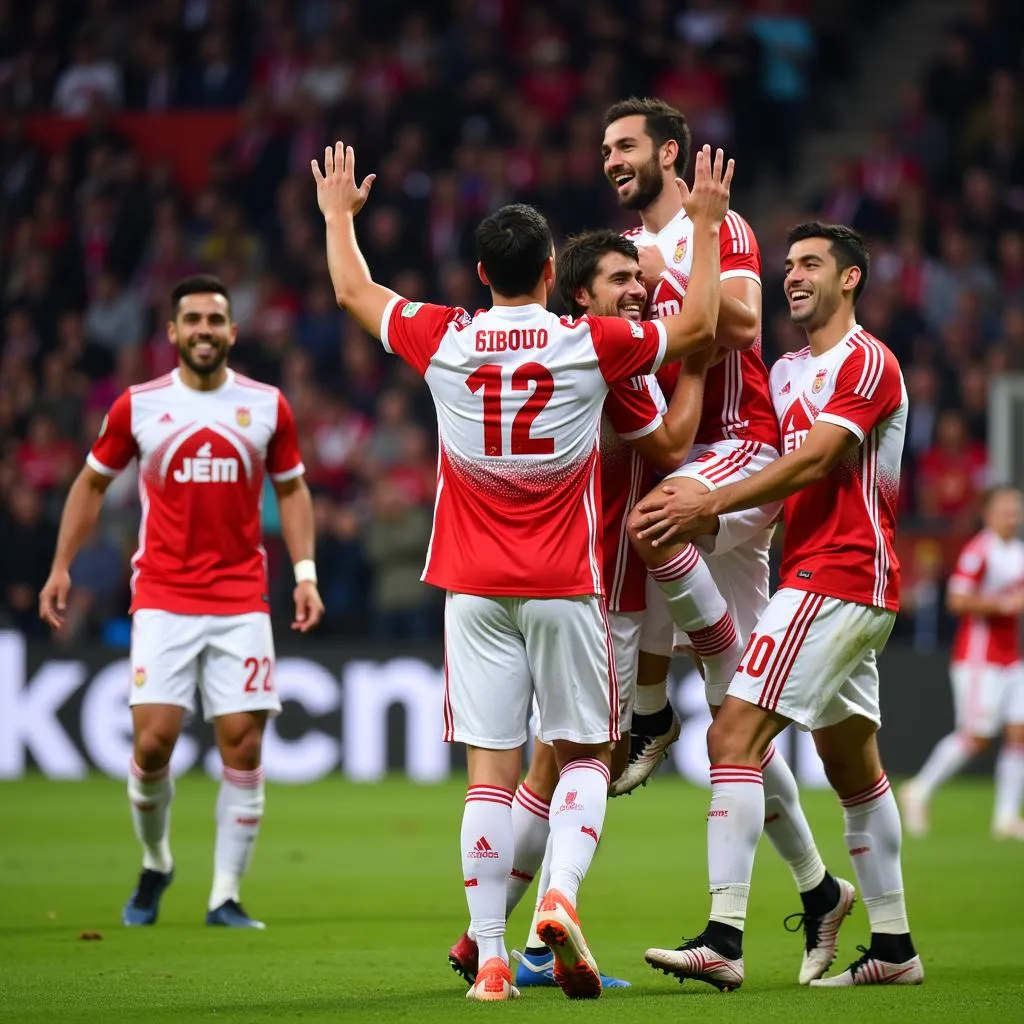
x,y
708,200
336,189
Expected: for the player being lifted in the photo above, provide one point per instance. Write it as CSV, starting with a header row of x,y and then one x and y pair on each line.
x,y
811,660
646,144
986,591
516,539
205,437
598,272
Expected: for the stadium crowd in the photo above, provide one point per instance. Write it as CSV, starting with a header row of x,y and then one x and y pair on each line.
x,y
459,107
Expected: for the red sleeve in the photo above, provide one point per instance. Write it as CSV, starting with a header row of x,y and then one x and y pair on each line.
x,y
283,459
738,249
116,446
631,408
626,348
413,330
868,388
970,568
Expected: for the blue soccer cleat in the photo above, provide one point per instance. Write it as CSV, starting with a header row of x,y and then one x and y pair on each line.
x,y
536,970
231,915
144,903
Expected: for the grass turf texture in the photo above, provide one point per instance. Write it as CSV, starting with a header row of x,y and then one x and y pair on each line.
x,y
360,887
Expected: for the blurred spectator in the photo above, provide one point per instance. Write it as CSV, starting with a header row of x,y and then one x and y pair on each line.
x,y
25,555
114,317
88,77
952,474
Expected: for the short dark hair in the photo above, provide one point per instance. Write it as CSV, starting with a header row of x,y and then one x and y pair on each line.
x,y
993,492
847,247
197,284
512,244
577,262
661,122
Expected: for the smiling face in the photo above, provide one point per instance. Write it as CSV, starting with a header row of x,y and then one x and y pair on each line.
x,y
203,332
815,286
633,165
617,289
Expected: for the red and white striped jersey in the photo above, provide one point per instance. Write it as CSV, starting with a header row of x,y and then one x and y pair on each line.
x,y
519,394
202,459
630,411
840,531
988,566
737,402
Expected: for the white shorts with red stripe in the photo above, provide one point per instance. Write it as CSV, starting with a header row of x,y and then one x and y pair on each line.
x,y
812,659
499,651
987,697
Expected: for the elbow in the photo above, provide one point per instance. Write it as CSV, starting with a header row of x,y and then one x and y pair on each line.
x,y
817,469
740,339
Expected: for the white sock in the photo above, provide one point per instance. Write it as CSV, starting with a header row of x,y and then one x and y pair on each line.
x,y
785,823
873,837
150,795
735,823
530,827
1009,783
487,849
650,699
533,940
950,755
239,813
697,608
577,818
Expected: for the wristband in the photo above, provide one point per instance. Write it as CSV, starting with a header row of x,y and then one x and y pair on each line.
x,y
305,571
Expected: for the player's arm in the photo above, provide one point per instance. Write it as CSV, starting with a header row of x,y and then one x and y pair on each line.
x,y
667,446
739,313
77,521
960,601
340,200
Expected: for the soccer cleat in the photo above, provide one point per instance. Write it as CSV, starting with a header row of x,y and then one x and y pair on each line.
x,y
914,808
464,957
231,915
699,961
645,754
144,903
575,969
493,983
869,970
1012,829
536,970
821,934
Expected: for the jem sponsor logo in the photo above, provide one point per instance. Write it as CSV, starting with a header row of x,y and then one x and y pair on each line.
x,y
204,468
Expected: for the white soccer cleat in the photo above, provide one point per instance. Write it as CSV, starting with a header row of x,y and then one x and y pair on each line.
x,y
914,808
822,934
645,754
697,961
869,970
1012,829
575,969
493,983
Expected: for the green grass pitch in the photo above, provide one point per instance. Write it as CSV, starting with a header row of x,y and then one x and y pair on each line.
x,y
361,890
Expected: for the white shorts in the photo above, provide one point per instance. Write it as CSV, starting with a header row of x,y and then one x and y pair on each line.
x,y
500,650
812,659
228,658
987,697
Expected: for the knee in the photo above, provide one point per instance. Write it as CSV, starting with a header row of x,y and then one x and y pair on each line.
x,y
725,745
849,775
153,747
976,745
243,752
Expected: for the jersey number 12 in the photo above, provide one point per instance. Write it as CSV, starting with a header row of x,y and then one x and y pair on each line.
x,y
488,379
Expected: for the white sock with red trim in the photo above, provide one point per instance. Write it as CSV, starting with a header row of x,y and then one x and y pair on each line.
x,y
785,823
699,610
531,828
735,823
1009,784
873,837
950,754
533,940
150,795
487,850
577,818
239,814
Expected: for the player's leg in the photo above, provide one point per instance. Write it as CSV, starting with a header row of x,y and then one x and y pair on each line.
x,y
487,698
1006,821
238,693
164,657
978,694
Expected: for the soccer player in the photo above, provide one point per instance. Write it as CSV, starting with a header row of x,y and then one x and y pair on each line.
x,y
646,143
598,272
986,591
205,437
516,540
842,408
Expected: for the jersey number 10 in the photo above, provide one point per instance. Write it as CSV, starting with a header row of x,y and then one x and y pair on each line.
x,y
488,378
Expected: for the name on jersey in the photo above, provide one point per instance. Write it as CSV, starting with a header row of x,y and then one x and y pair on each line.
x,y
511,341
204,468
